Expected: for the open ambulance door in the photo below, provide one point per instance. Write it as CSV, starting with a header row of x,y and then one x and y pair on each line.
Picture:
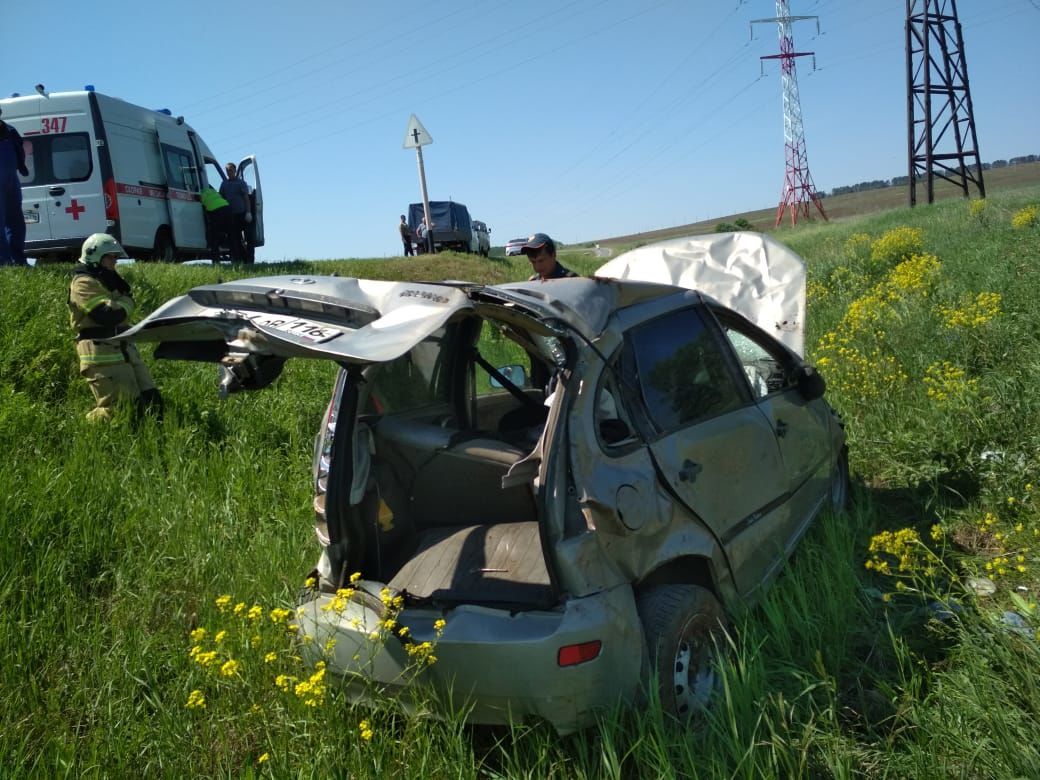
x,y
249,172
183,184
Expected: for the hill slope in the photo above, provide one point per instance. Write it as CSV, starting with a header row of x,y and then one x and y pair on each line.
x,y
840,207
144,563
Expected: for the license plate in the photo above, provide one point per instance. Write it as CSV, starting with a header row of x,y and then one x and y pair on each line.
x,y
303,329
31,217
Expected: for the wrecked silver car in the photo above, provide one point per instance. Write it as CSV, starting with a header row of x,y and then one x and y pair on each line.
x,y
555,484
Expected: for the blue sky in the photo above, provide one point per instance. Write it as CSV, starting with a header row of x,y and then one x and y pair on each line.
x,y
580,118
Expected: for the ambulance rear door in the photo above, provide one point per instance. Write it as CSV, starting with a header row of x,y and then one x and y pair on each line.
x,y
63,198
182,186
249,172
24,117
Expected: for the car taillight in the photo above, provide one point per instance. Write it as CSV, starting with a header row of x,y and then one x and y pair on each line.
x,y
572,655
111,204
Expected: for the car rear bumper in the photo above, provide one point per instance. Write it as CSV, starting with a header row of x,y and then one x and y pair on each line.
x,y
495,665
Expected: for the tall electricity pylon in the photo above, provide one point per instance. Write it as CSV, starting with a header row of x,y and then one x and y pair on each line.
x,y
799,191
940,119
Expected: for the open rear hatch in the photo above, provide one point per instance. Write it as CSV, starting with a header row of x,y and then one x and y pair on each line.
x,y
346,320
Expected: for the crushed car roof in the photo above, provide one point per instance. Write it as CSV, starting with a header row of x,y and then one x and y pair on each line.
x,y
750,273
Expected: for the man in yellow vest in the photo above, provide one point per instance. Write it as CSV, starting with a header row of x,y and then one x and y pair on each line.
x,y
217,212
100,305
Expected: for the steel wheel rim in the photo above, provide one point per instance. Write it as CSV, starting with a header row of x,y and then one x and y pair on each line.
x,y
694,678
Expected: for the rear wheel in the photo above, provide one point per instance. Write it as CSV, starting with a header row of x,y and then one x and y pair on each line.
x,y
163,251
682,624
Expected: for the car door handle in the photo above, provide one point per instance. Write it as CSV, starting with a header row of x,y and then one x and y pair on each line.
x,y
56,190
689,471
781,428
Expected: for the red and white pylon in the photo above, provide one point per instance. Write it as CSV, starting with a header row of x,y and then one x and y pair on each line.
x,y
799,190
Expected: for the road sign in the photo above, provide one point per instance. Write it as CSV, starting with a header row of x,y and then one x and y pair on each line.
x,y
416,135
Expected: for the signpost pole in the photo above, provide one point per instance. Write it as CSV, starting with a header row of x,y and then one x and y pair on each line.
x,y
425,198
415,135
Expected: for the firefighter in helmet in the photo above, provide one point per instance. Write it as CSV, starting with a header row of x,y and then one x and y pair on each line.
x,y
100,304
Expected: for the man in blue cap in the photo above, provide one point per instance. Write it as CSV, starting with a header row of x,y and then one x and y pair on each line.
x,y
12,221
541,251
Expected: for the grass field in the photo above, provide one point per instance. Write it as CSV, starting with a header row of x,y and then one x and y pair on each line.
x,y
128,548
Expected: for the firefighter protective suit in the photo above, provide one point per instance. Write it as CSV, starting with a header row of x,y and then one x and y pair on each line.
x,y
100,304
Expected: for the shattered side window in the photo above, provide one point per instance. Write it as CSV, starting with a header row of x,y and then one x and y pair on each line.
x,y
763,363
683,375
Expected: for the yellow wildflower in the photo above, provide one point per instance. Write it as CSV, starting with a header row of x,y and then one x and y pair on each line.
x,y
222,602
196,700
366,730
205,659
230,668
255,612
280,615
221,635
896,245
263,758
284,682
198,634
271,657
1026,217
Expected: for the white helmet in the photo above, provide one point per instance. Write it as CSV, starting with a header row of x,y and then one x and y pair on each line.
x,y
99,245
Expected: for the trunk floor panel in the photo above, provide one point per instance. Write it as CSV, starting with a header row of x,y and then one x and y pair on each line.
x,y
502,562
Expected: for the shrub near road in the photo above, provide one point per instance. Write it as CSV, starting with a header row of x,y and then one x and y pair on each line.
x,y
868,657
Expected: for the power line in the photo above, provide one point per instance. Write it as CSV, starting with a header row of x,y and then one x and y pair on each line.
x,y
428,74
418,29
539,55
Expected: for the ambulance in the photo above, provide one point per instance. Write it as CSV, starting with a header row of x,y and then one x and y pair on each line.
x,y
98,164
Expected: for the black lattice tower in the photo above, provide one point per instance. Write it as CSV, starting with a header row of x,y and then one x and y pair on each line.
x,y
940,120
799,192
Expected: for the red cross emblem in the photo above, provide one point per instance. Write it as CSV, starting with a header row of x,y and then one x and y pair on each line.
x,y
75,209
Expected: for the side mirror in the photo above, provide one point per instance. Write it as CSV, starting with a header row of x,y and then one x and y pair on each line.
x,y
515,374
810,384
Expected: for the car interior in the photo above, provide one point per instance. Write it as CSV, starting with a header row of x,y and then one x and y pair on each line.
x,y
441,524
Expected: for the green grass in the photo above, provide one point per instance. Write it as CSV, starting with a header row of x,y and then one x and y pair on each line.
x,y
119,538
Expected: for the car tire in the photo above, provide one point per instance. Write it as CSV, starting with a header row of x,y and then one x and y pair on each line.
x,y
164,249
840,492
682,624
